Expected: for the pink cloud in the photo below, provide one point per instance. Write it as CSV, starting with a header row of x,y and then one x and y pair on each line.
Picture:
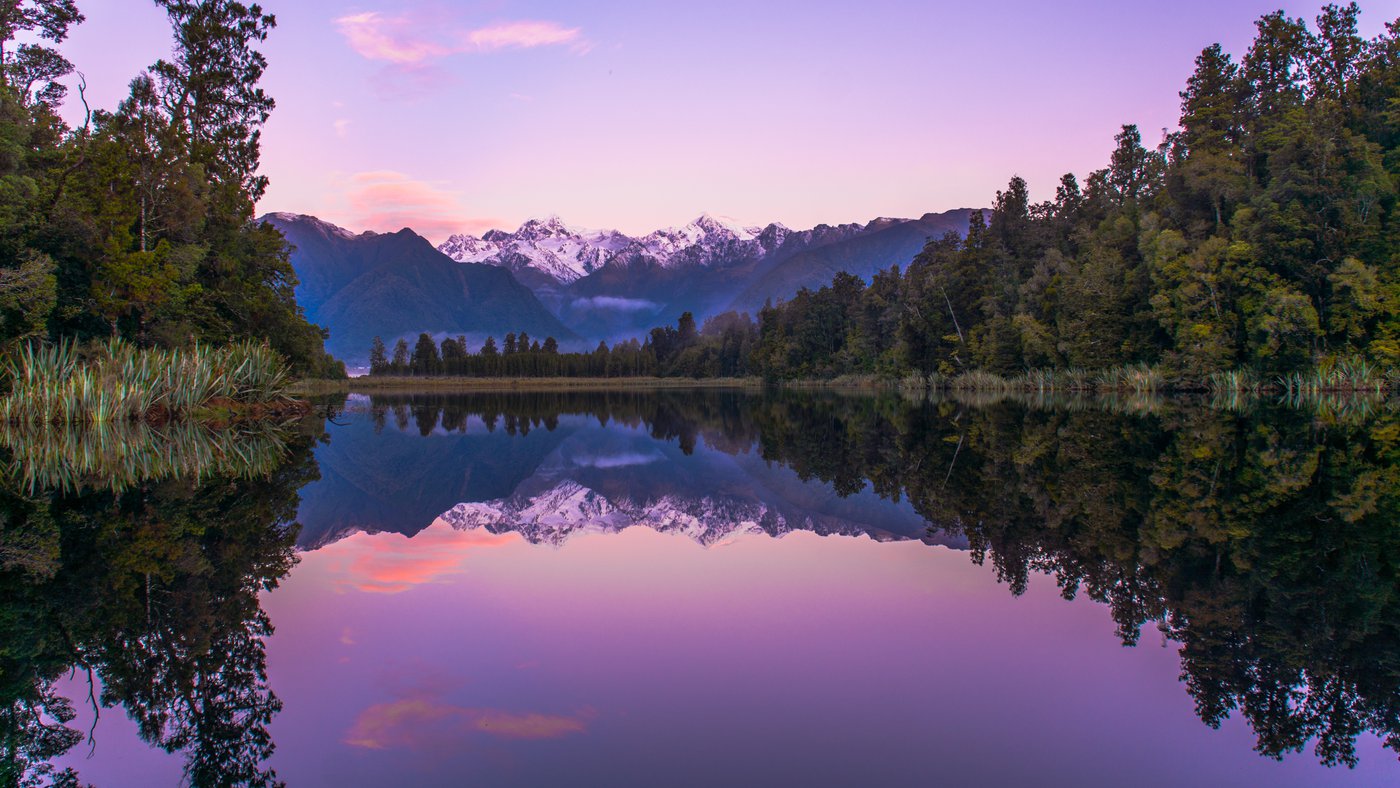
x,y
387,201
520,35
392,39
423,722
409,41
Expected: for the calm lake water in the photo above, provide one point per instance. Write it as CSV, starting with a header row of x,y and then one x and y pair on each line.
x,y
710,588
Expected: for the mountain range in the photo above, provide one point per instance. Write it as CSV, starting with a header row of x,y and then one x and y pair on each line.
x,y
576,285
395,285
605,284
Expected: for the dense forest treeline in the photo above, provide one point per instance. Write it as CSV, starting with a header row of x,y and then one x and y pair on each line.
x,y
138,223
1262,235
720,348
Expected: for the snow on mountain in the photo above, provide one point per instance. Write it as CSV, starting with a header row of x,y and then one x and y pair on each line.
x,y
567,254
320,224
569,509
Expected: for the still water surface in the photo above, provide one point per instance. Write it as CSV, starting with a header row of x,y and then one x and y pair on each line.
x,y
701,588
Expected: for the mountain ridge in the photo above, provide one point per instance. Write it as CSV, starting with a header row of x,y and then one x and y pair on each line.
x,y
398,284
606,284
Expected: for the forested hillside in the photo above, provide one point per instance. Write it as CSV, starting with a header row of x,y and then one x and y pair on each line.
x,y
137,223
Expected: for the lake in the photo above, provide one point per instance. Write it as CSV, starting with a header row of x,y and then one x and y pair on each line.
x,y
636,588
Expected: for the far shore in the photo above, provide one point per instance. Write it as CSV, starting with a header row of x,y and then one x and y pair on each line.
x,y
979,383
446,383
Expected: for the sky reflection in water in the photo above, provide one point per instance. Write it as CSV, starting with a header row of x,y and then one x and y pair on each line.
x,y
558,651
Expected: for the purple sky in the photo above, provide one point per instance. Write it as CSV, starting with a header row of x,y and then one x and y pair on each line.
x,y
447,115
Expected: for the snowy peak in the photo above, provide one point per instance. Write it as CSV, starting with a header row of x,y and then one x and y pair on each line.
x,y
722,225
537,230
466,249
569,509
566,254
548,246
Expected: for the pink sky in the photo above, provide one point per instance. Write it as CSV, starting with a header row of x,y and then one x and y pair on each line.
x,y
463,116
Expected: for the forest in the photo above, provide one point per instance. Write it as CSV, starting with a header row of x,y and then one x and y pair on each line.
x,y
137,224
1260,239
718,349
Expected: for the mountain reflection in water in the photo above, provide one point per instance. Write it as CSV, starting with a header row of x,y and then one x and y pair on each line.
x,y
1261,540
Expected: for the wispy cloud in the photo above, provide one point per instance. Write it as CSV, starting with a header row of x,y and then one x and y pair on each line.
x,y
422,721
395,39
385,201
520,35
409,39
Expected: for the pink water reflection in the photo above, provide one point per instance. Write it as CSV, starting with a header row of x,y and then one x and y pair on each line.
x,y
643,659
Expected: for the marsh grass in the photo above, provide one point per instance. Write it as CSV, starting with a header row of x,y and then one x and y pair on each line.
x,y
115,382
1235,381
119,455
1139,379
1342,375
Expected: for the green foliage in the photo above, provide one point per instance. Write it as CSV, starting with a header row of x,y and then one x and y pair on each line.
x,y
721,348
138,224
28,294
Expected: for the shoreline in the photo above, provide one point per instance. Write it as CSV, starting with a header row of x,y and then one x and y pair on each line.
x,y
367,384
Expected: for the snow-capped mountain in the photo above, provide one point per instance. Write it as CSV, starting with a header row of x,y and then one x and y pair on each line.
x,y
566,254
393,285
548,246
606,284
569,509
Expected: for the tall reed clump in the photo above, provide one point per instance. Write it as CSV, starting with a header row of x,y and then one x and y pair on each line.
x,y
1351,375
1235,381
116,382
1135,378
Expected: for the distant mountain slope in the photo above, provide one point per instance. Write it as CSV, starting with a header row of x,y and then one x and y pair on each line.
x,y
885,243
604,284
396,285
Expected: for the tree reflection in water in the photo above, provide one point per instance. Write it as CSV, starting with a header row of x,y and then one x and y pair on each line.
x,y
150,589
1262,539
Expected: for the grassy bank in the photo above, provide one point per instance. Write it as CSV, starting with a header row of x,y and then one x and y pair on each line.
x,y
115,382
391,383
1341,377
